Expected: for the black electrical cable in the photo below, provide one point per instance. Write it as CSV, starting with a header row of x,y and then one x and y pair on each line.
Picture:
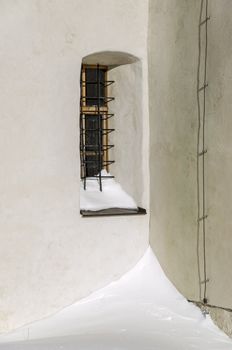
x,y
198,146
203,152
203,156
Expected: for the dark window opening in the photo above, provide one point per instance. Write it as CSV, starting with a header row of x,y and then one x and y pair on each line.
x,y
95,79
94,123
91,145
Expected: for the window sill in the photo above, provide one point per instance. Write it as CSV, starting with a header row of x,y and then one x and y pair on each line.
x,y
113,212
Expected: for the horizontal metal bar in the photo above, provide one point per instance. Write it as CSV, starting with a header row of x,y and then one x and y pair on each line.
x,y
95,146
104,116
101,129
95,179
93,154
96,97
108,116
103,145
96,113
105,84
102,98
105,162
102,176
91,151
93,161
109,82
107,132
108,162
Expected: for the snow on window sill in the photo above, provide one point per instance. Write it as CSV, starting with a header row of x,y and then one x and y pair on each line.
x,y
112,200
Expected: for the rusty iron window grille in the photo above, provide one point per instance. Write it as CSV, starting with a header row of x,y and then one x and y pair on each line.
x,y
94,123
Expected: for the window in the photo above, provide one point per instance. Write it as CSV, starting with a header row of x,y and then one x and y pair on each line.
x,y
100,193
94,122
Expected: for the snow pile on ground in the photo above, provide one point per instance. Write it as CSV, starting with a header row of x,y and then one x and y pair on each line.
x,y
112,195
141,311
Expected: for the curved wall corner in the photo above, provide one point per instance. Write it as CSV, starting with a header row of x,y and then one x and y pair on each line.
x,y
173,49
50,255
173,61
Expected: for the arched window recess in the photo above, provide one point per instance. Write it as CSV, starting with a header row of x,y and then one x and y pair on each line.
x,y
111,84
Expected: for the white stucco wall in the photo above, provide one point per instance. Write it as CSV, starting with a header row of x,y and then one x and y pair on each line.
x,y
129,122
173,62
50,255
173,52
219,155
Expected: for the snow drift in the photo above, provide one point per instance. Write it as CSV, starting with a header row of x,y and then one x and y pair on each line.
x,y
142,310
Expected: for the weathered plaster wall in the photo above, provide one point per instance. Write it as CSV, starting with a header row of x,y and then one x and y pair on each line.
x,y
129,121
50,256
219,157
173,50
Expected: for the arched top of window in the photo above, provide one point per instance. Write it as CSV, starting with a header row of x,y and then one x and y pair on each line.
x,y
110,59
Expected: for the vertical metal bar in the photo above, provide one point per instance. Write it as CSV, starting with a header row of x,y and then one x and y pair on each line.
x,y
106,138
82,129
99,129
84,147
